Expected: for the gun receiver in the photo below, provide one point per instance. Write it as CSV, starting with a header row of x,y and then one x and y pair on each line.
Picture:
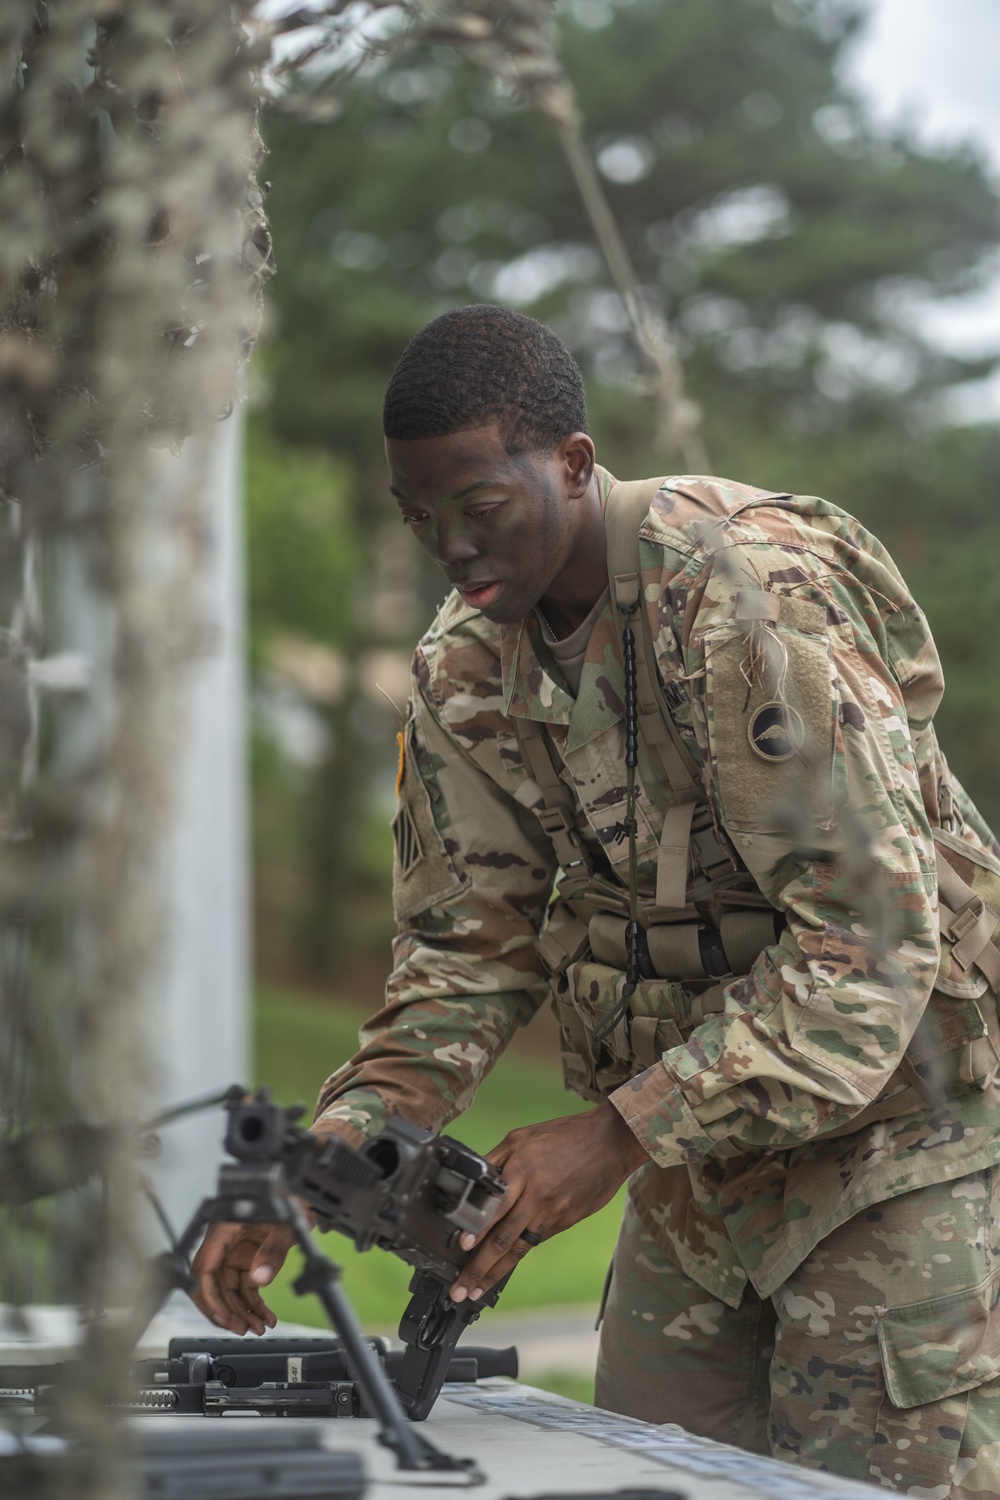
x,y
406,1191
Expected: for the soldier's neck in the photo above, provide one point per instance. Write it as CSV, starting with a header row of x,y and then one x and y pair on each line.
x,y
583,580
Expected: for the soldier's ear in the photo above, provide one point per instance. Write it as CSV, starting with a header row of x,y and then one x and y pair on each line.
x,y
576,456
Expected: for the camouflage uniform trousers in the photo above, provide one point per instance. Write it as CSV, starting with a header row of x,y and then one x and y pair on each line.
x,y
878,1359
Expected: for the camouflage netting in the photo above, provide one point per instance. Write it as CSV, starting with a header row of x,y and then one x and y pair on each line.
x,y
133,254
132,260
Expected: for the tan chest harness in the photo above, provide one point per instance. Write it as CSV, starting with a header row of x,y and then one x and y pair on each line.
x,y
633,975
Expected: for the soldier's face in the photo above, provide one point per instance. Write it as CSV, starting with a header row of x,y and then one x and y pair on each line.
x,y
507,529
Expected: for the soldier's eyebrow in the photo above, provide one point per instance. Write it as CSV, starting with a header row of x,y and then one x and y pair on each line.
x,y
470,489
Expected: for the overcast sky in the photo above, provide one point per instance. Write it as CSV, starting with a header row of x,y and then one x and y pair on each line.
x,y
936,65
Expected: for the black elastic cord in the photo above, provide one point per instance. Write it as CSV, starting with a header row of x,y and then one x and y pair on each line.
x,y
631,824
629,829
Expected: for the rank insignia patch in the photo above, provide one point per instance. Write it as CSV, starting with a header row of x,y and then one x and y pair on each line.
x,y
776,731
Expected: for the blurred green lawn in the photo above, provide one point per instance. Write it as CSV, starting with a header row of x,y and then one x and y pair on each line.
x,y
300,1039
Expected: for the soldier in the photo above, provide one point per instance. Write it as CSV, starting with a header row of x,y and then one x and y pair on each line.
x,y
670,763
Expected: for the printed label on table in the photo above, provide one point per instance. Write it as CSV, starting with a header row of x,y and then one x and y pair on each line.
x,y
668,1445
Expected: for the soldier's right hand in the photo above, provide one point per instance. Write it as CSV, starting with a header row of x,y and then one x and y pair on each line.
x,y
234,1262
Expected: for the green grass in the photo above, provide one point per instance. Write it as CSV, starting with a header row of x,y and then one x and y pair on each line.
x,y
565,1383
300,1039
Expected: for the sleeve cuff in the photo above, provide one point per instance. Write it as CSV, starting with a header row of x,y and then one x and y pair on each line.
x,y
653,1109
355,1117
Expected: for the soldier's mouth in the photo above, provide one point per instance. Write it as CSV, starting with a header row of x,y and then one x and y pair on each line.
x,y
482,596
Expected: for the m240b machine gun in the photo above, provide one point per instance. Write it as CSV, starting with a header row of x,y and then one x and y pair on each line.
x,y
406,1191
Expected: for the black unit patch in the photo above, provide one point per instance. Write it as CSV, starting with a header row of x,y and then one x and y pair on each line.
x,y
776,731
408,849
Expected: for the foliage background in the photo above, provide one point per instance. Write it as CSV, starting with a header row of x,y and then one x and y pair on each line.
x,y
790,242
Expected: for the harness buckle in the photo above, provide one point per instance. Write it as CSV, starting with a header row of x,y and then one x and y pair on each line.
x,y
555,820
965,920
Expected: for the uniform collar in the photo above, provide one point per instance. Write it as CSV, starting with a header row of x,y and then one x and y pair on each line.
x,y
531,691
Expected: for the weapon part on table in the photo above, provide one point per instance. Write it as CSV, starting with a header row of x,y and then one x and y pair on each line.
x,y
291,1377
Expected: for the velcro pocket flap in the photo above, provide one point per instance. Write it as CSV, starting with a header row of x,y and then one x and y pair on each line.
x,y
935,1349
771,705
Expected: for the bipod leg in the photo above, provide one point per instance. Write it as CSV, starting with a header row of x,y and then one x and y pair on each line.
x,y
322,1277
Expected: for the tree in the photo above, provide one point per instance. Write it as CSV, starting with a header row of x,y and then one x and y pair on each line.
x,y
133,252
783,234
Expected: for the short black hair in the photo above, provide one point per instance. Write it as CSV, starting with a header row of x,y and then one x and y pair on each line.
x,y
481,364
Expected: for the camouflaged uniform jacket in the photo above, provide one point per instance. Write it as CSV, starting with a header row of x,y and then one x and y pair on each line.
x,y
739,1187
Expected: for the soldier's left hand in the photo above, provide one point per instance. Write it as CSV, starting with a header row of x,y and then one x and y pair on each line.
x,y
557,1173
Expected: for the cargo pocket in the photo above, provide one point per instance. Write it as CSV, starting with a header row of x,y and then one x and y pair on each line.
x,y
940,1348
598,1057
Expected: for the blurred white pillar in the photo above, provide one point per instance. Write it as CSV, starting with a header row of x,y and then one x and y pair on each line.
x,y
204,1033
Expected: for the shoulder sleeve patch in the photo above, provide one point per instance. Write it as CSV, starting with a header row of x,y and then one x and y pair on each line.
x,y
770,701
426,870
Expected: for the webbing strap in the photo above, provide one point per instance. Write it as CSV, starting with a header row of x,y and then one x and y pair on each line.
x,y
969,922
643,1031
971,930
675,950
672,856
557,813
627,507
710,1002
560,947
745,935
988,961
951,885
712,855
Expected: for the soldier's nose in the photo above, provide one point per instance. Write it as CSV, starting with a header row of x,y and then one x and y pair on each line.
x,y
454,547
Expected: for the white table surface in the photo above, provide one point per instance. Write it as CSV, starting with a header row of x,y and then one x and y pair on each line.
x,y
527,1442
